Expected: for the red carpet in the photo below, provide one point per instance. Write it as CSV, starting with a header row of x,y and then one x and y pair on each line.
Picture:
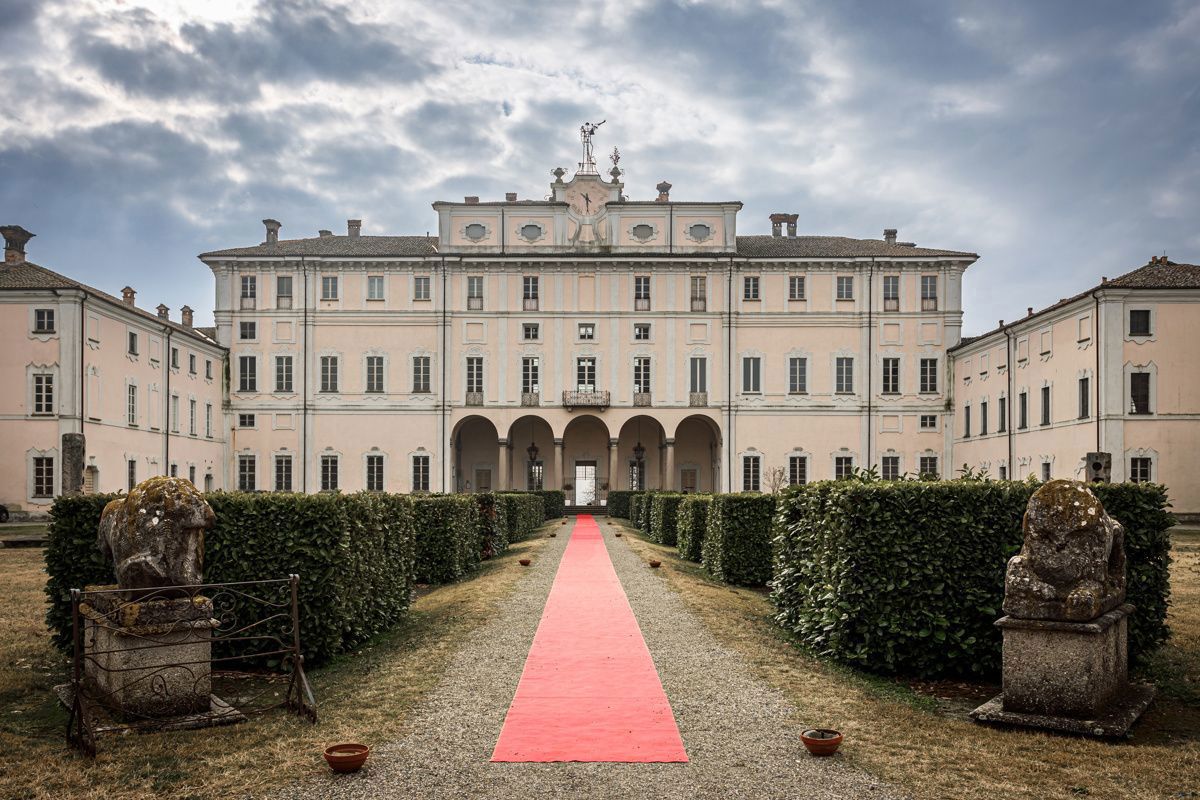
x,y
589,691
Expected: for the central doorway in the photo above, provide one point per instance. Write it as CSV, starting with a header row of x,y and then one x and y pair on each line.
x,y
585,483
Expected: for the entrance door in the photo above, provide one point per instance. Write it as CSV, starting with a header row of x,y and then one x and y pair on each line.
x,y
689,478
89,480
585,483
483,480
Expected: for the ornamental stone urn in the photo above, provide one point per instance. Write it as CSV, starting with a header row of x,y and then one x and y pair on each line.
x,y
1065,662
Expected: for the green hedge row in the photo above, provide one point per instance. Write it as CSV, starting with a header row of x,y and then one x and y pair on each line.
x,y
664,508
525,513
691,521
908,577
354,553
447,537
555,503
618,502
494,530
636,503
737,542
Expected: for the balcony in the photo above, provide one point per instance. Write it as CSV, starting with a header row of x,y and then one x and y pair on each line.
x,y
283,301
531,399
529,304
592,399
641,304
891,304
641,400
929,304
476,303
699,304
474,398
698,399
248,302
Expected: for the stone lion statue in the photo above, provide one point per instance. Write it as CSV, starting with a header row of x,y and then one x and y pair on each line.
x,y
155,534
1072,564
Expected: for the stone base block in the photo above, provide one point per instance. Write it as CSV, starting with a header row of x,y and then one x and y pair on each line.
x,y
1114,723
219,713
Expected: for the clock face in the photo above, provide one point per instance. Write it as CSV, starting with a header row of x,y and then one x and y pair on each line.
x,y
587,198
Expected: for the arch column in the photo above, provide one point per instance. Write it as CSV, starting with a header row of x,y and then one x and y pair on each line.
x,y
556,475
614,469
669,465
502,466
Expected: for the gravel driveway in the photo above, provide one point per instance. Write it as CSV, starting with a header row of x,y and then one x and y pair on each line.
x,y
741,735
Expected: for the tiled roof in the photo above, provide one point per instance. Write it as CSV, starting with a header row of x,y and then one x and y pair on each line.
x,y
749,246
28,275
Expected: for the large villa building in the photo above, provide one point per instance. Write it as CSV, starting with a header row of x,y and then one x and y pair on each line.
x,y
589,341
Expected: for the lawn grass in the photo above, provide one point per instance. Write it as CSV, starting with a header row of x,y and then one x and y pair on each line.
x,y
918,736
364,696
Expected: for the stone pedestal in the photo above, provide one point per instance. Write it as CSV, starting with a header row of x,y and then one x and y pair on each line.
x,y
1068,676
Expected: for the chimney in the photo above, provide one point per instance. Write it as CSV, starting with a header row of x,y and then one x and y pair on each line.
x,y
323,233
127,295
163,311
1029,311
471,199
185,315
664,192
273,226
889,235
353,227
777,221
790,219
510,197
1001,323
1103,279
15,238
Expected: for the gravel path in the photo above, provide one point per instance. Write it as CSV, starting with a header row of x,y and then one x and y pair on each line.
x,y
740,734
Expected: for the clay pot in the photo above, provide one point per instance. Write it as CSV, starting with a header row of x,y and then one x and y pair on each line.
x,y
346,757
618,533
553,534
655,564
525,562
821,741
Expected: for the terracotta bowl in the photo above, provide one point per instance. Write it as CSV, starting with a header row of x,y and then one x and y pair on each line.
x,y
525,562
618,533
655,564
346,757
821,741
553,534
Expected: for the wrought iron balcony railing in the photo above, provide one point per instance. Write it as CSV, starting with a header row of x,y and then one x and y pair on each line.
x,y
474,398
474,303
929,304
699,304
641,304
530,304
641,399
698,399
891,304
531,399
588,399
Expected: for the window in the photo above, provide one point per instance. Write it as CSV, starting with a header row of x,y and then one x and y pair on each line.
x,y
420,381
1139,322
191,417
174,358
1002,415
587,331
1139,470
374,374
43,394
283,374
1023,411
131,474
374,287
43,320
641,332
1084,398
247,374
1045,470
698,381
843,467
192,474
329,287
475,292
966,421
699,293
890,468
929,375
529,293
246,474
797,375
475,374
246,331
796,287
329,473
192,363
174,470
131,415
529,375
1139,393
845,287
374,473
283,473
929,422
249,289
585,374
246,420
751,473
530,331
983,418
421,287
207,369
133,343
750,287
641,375
891,292
208,420
891,376
283,291
1045,405
420,473
43,476
1003,472
476,231
535,476
641,293
751,375
637,475
929,292
797,470
929,466
844,368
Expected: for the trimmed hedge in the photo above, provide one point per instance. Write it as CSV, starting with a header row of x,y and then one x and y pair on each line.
x,y
664,507
636,503
691,521
494,534
526,511
447,537
737,542
908,577
554,503
354,554
618,502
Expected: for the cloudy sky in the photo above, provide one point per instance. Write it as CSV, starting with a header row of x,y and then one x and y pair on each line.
x,y
1060,140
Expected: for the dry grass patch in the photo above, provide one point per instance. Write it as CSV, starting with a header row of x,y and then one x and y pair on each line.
x,y
361,697
926,744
